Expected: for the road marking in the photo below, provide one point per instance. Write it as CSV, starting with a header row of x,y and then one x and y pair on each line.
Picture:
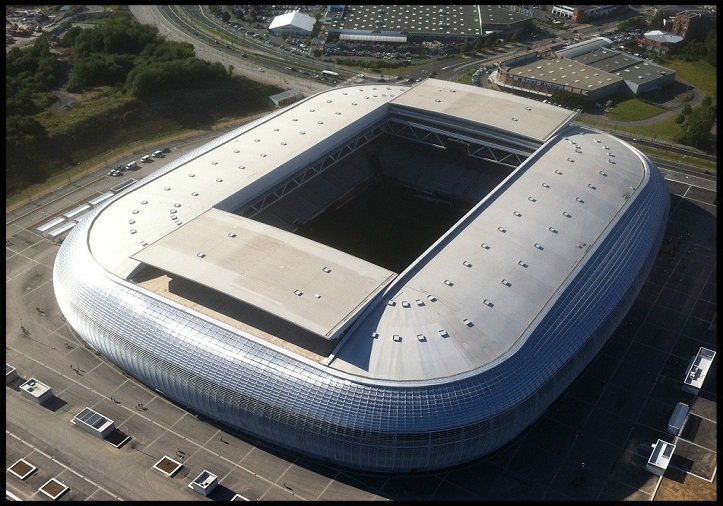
x,y
61,464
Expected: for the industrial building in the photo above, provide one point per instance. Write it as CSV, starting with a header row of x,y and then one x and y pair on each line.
x,y
399,23
589,68
193,281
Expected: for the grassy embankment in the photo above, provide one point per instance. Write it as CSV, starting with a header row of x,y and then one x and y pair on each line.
x,y
107,124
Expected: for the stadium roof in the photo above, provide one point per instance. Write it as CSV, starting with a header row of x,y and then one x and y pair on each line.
x,y
516,251
301,281
170,217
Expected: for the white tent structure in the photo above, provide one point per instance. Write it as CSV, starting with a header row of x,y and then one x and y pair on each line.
x,y
292,22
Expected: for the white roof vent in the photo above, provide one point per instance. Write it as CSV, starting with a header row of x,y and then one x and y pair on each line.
x,y
200,254
326,269
523,264
448,282
485,245
397,338
505,282
467,322
432,298
391,303
298,293
466,264
502,229
516,213
405,303
488,303
443,333
421,338
419,302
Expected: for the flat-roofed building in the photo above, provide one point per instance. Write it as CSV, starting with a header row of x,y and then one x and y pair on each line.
x,y
36,391
640,76
690,24
448,21
660,457
544,76
698,370
93,422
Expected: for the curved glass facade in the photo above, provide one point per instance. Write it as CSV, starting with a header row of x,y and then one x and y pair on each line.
x,y
356,422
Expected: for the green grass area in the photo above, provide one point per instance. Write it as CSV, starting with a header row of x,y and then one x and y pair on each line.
x,y
676,157
700,74
465,78
107,123
664,130
634,109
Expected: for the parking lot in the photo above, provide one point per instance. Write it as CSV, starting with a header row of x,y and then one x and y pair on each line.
x,y
591,444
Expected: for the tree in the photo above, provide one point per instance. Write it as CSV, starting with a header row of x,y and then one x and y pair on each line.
x,y
696,131
225,16
656,22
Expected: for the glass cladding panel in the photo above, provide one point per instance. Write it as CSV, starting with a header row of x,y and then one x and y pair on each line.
x,y
305,408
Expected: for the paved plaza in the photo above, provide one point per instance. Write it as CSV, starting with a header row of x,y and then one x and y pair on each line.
x,y
591,444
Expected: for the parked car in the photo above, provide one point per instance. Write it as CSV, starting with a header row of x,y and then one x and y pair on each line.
x,y
158,154
166,150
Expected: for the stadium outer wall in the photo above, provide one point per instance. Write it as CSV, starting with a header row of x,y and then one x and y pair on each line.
x,y
270,393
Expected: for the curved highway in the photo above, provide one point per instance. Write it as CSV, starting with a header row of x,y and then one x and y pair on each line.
x,y
190,24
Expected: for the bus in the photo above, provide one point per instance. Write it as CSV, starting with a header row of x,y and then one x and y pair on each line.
x,y
330,73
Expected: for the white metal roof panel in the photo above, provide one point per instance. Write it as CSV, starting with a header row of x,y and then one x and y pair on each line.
x,y
307,283
461,274
240,168
506,112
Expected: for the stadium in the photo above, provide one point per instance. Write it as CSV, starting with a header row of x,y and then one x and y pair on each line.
x,y
387,278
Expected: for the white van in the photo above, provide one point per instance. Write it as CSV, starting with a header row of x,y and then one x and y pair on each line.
x,y
132,165
146,159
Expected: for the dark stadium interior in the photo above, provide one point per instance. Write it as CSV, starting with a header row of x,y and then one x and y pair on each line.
x,y
388,202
